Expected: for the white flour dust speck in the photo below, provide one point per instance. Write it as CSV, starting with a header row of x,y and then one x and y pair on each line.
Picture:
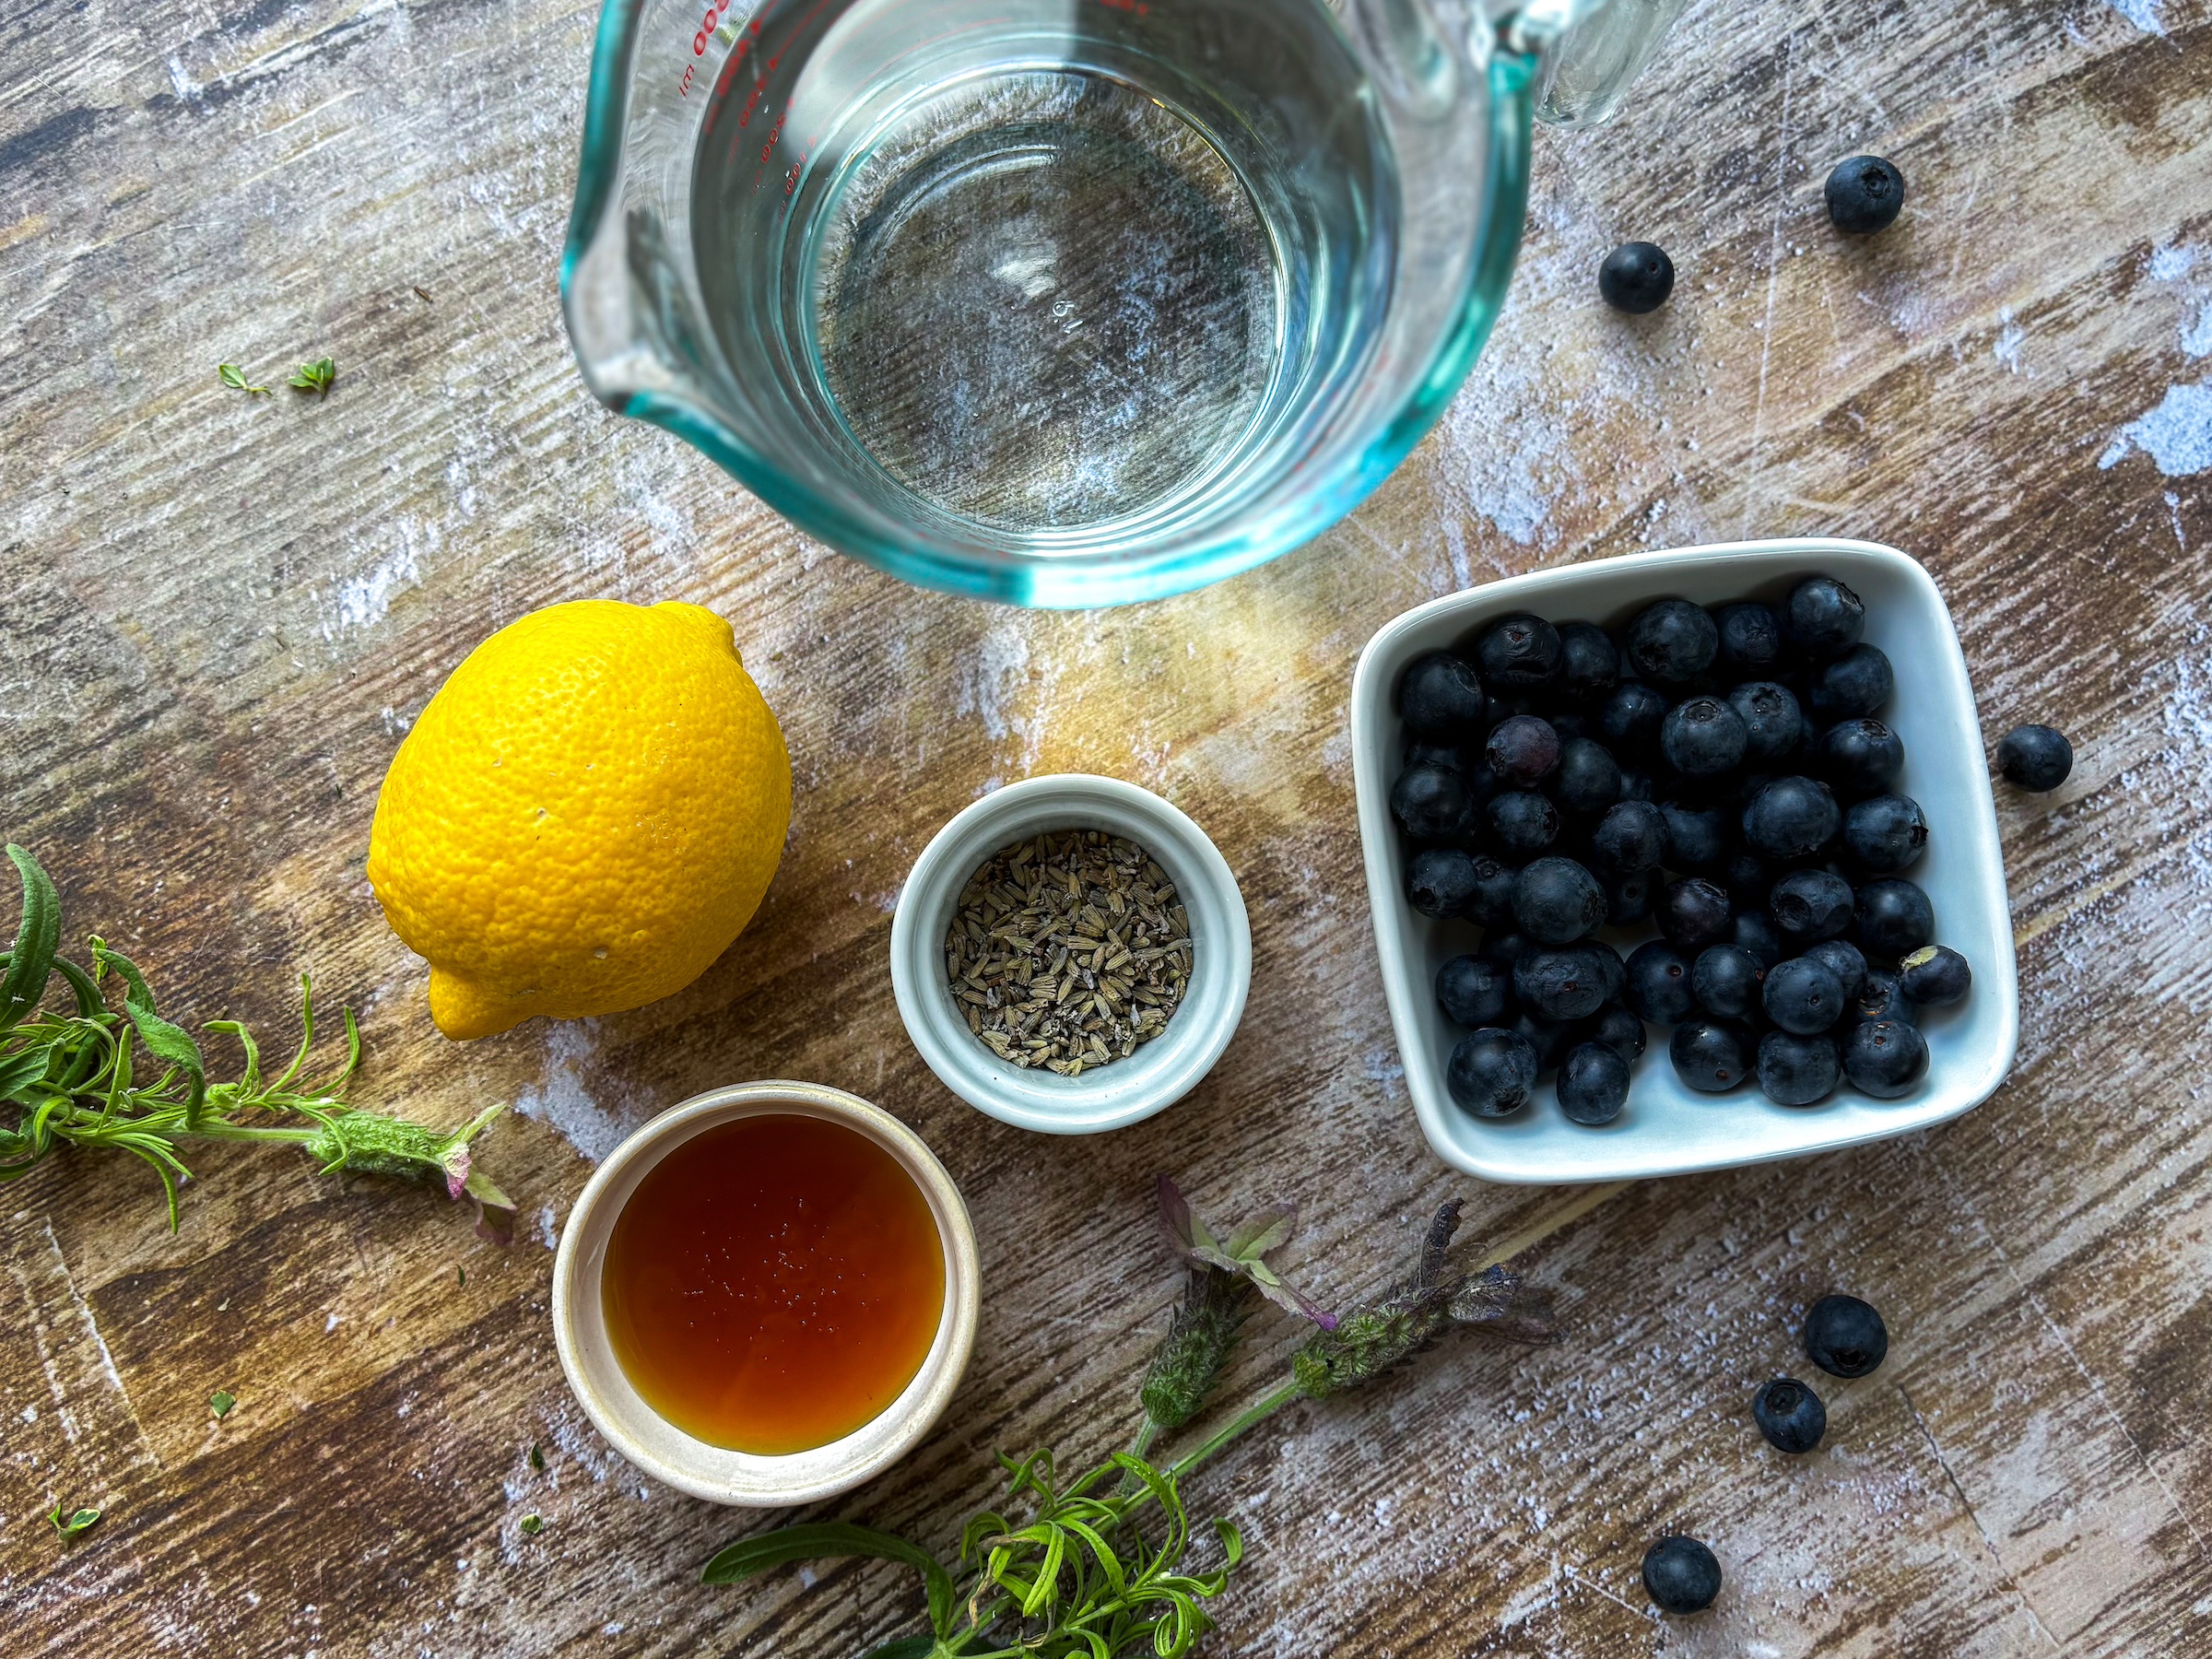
x,y
361,601
2176,435
2143,14
2011,336
562,1101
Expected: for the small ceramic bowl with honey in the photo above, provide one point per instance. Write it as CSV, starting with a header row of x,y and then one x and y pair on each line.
x,y
767,1295
1173,863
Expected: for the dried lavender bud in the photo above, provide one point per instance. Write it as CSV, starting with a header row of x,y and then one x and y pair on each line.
x,y
1369,1340
1191,1356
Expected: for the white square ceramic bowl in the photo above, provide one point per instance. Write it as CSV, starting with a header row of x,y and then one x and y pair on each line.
x,y
1668,1128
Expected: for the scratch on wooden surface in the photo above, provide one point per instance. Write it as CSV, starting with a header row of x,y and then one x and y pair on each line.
x,y
1766,327
1967,1503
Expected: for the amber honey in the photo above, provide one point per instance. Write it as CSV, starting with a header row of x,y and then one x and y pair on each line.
x,y
773,1284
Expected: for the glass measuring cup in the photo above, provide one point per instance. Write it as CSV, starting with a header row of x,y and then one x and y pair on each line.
x,y
1064,302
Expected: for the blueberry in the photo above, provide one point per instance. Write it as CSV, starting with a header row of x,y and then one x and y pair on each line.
x,y
1629,719
1432,802
1629,899
1749,881
1797,1070
1881,996
1520,653
1589,662
1560,984
1750,638
1589,778
1935,976
2034,758
1885,1057
1594,1083
1846,1337
1491,903
1629,840
1773,721
1635,277
1546,1039
1523,823
1492,1073
1803,996
1441,696
1712,1055
1895,919
1861,757
1864,195
1856,684
1702,738
1696,838
1791,819
1841,958
1659,988
1449,756
1886,832
1673,641
1693,913
1522,751
1790,1415
1619,1028
1811,905
1823,619
1473,993
1681,1575
1440,881
1750,930
1557,902
1725,980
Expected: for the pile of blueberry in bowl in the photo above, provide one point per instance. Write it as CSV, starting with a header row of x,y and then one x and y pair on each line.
x,y
1722,775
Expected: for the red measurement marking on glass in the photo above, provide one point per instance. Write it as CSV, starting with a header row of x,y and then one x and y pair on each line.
x,y
1135,7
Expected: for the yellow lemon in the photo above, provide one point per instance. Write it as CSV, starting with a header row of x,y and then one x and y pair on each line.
x,y
586,814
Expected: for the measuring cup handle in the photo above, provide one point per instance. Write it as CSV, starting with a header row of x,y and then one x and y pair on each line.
x,y
1588,51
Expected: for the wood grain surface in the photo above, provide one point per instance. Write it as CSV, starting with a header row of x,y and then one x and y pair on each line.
x,y
219,614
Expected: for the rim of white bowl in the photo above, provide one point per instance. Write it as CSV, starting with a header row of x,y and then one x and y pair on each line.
x,y
1160,1073
656,1446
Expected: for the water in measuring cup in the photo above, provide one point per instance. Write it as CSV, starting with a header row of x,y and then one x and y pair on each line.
x,y
1052,270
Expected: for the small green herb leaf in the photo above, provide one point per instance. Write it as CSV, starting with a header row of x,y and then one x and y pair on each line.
x,y
532,1526
786,1543
461,1275
79,1520
314,377
231,375
221,1403
537,1457
37,938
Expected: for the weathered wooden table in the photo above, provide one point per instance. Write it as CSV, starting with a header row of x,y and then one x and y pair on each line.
x,y
220,613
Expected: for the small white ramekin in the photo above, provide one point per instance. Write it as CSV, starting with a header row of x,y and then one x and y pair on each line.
x,y
1160,1072
658,1446
1668,1129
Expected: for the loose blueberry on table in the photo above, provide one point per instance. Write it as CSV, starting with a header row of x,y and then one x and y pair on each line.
x,y
1681,1575
1845,1336
1725,777
1790,1415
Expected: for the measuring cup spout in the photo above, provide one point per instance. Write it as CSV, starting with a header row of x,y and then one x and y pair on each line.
x,y
1590,51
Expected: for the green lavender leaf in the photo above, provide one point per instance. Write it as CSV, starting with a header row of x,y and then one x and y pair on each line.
x,y
747,1556
532,1526
314,377
220,1404
38,939
171,1043
231,375
77,1522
